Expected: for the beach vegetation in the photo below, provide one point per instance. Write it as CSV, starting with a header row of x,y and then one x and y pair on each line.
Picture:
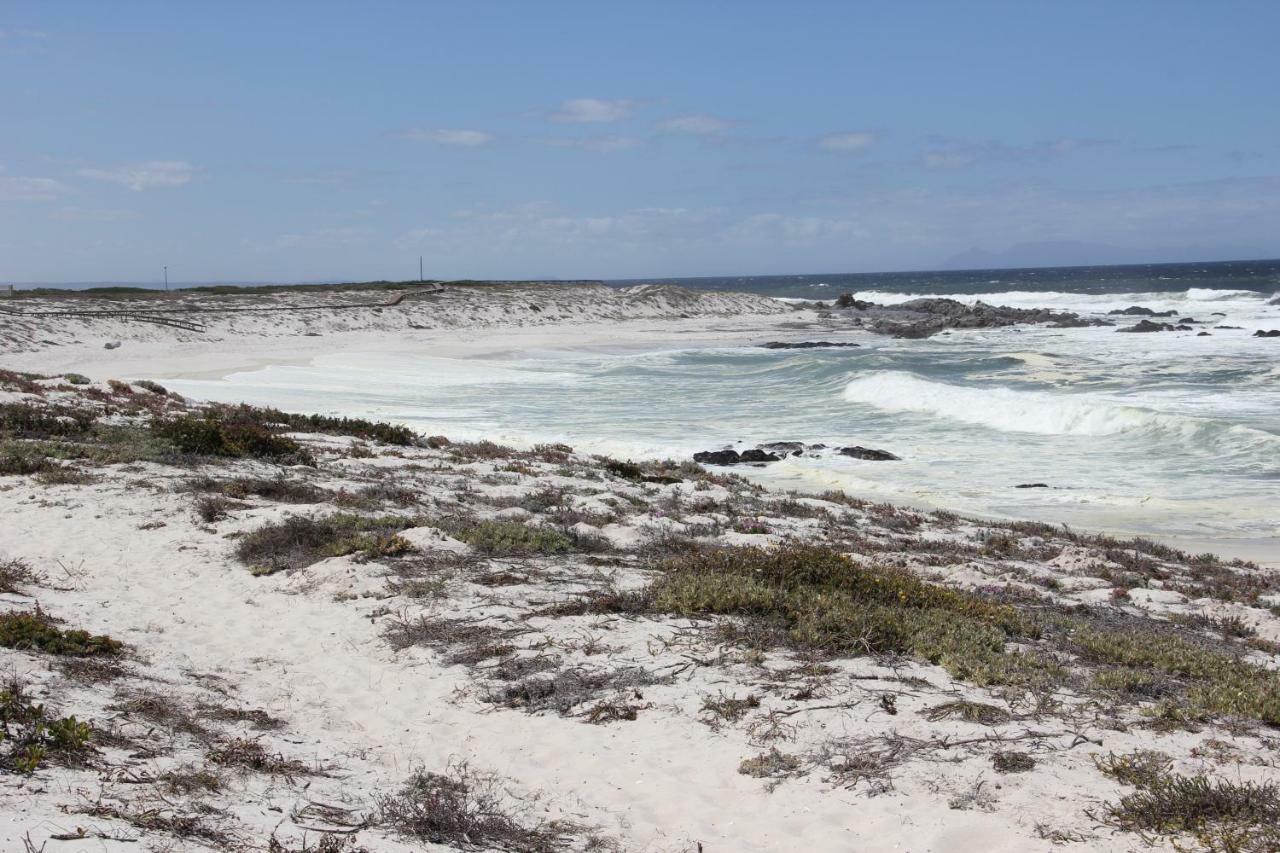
x,y
23,383
826,602
508,538
211,436
1012,761
30,737
16,575
153,387
35,631
467,809
278,489
1219,814
77,378
298,541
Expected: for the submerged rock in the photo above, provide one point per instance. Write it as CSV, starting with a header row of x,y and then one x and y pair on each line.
x,y
1273,333
1032,486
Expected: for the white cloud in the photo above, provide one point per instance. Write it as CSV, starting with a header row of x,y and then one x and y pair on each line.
x,y
700,124
144,176
31,189
959,154
847,143
443,136
593,110
605,142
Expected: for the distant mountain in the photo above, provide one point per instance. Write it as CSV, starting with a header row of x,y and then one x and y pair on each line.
x,y
1067,253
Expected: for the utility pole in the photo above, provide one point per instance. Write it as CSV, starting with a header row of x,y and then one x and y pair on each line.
x,y
419,269
166,279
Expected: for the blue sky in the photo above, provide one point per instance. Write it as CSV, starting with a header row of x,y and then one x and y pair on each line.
x,y
333,141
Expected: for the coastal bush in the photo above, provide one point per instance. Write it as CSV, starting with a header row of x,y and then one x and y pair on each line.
x,y
1206,680
63,475
24,383
30,737
829,603
509,538
208,436
325,424
25,420
15,575
21,459
153,387
34,631
466,809
1219,814
278,489
77,378
299,541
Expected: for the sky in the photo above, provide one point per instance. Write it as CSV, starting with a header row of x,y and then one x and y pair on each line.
x,y
332,141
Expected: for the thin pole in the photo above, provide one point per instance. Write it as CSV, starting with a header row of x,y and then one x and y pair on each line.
x,y
166,279
419,269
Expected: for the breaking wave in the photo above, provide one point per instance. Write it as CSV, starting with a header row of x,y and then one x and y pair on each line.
x,y
1047,413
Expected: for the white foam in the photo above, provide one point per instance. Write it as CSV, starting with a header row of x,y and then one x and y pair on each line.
x,y
1047,413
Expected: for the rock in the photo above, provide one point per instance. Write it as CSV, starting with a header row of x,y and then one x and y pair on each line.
x,y
436,442
1139,311
1273,333
1203,335
867,453
786,448
1275,301
718,457
1229,327
1188,320
111,345
1032,486
805,345
757,455
846,300
1148,326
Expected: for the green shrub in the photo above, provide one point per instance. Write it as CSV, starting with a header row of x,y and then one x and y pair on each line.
x,y
29,737
827,602
356,427
299,541
510,538
25,420
34,631
153,387
1219,814
77,378
208,436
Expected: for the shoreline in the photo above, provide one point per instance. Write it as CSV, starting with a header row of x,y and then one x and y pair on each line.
x,y
213,360
336,607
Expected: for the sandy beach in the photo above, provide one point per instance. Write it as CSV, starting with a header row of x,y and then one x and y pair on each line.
x,y
315,624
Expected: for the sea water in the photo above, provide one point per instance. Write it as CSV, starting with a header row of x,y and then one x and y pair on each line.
x,y
1172,435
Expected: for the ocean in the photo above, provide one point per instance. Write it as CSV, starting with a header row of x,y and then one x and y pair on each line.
x,y
1170,435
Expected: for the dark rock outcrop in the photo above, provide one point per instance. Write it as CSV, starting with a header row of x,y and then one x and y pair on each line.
x,y
1148,326
733,457
1139,311
774,451
868,453
785,448
1032,486
1272,333
806,345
